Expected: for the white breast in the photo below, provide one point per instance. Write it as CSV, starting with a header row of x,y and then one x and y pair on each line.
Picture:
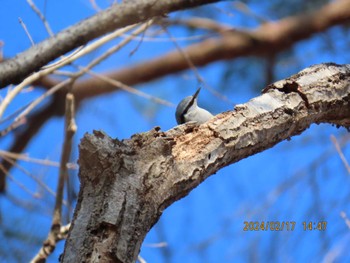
x,y
197,114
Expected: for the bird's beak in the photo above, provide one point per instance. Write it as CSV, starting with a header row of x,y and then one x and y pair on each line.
x,y
197,92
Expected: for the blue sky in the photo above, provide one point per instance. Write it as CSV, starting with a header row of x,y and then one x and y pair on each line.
x,y
301,180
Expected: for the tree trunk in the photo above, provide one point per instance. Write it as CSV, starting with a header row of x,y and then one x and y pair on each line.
x,y
126,185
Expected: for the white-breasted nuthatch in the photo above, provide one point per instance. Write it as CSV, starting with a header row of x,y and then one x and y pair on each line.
x,y
188,110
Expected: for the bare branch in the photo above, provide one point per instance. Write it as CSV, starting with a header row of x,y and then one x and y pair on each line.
x,y
268,38
245,9
70,129
199,78
95,6
55,233
19,144
340,153
34,122
62,234
120,15
157,245
140,259
82,71
346,219
26,30
51,68
25,157
41,16
17,182
38,181
145,174
129,89
199,22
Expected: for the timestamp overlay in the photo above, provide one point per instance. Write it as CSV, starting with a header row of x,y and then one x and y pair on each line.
x,y
284,225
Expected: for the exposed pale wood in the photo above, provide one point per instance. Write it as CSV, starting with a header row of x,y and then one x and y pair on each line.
x,y
126,185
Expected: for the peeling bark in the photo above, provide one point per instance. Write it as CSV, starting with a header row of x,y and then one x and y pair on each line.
x,y
126,185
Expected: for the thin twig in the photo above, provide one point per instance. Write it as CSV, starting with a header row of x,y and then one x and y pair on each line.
x,y
132,52
166,39
70,128
26,30
23,137
64,73
95,6
25,204
202,23
194,69
26,172
116,48
91,47
141,259
245,9
156,245
13,126
41,98
63,58
18,183
62,234
340,153
132,90
67,60
81,72
55,232
13,115
184,54
346,219
41,16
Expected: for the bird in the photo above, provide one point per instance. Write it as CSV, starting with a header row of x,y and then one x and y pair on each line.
x,y
188,111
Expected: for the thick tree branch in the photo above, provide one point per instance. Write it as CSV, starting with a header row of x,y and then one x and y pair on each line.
x,y
119,15
280,35
270,38
126,185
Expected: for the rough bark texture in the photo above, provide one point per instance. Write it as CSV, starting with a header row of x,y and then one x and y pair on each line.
x,y
119,15
126,185
267,40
